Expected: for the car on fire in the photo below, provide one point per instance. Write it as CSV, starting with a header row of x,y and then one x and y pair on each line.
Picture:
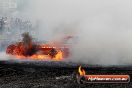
x,y
27,49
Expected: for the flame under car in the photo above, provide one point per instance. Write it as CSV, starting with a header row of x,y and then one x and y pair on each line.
x,y
27,49
38,52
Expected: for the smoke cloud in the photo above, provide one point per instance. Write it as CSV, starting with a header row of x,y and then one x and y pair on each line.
x,y
4,56
102,27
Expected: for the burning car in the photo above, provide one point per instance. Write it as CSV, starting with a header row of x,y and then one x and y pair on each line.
x,y
27,49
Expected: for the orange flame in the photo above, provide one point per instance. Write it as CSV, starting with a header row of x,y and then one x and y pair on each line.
x,y
43,52
59,56
81,71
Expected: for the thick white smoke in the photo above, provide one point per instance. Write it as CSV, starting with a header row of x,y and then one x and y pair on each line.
x,y
4,56
103,27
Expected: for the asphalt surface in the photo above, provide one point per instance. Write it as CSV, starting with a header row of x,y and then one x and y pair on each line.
x,y
54,75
